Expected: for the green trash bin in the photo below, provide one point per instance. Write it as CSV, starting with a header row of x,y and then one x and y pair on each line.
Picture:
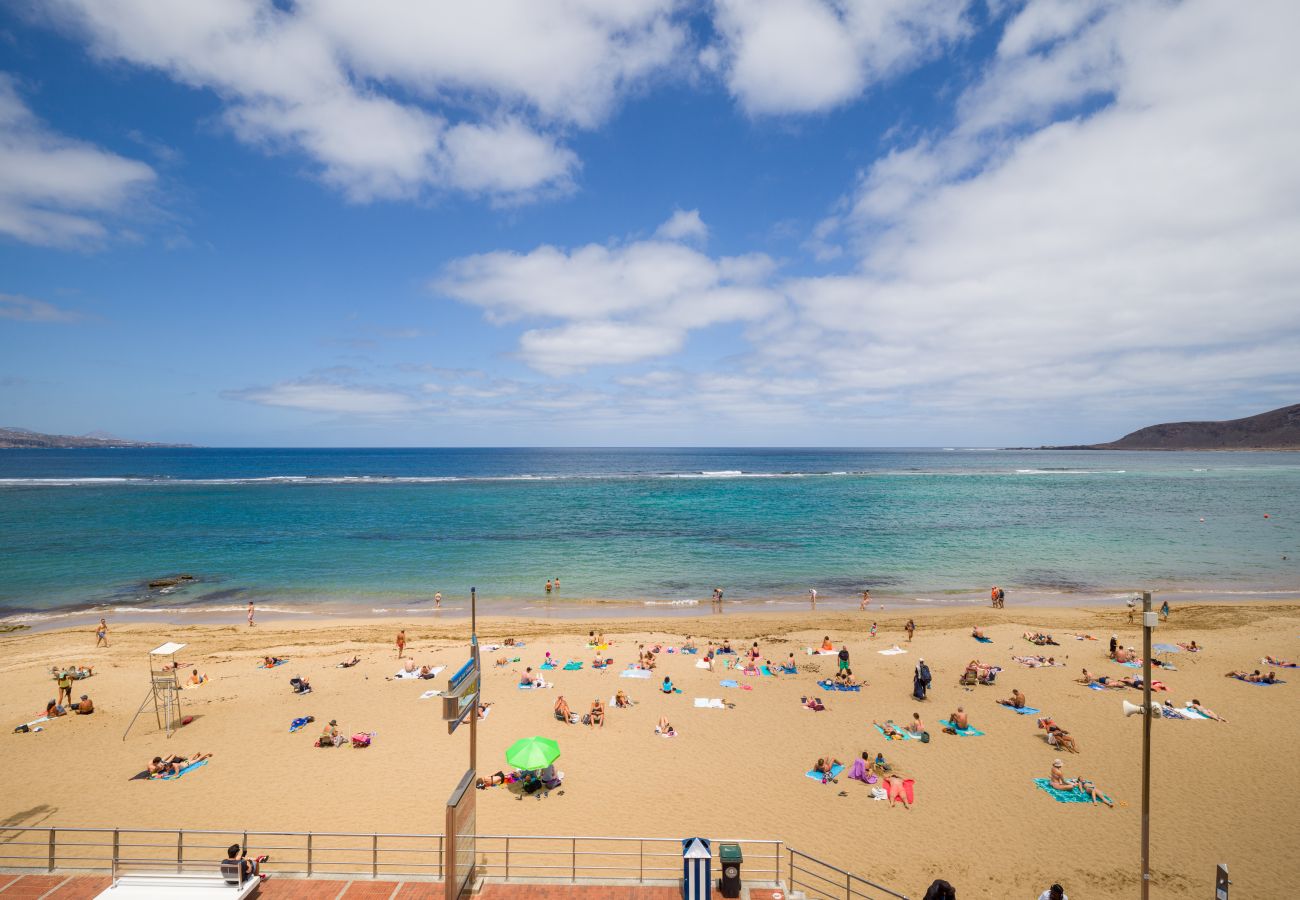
x,y
731,858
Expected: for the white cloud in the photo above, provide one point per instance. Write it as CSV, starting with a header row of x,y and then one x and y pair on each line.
x,y
613,305
795,56
54,190
684,225
321,396
396,98
27,309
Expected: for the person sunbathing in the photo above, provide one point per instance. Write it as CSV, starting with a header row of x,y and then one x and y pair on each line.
x,y
894,789
195,678
426,672
483,710
83,707
1059,782
891,731
300,685
527,678
750,669
689,644
596,718
270,662
1032,661
562,711
665,727
813,703
790,664
1254,677
726,646
826,765
54,710
1190,648
916,726
1280,663
621,700
491,781
826,643
349,664
1015,701
959,718
1196,705
977,632
1058,736
172,765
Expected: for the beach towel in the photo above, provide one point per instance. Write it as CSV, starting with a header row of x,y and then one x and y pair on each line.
x,y
429,695
666,734
183,770
547,665
812,652
537,687
1094,686
707,703
1026,711
701,664
403,674
1264,662
634,673
860,772
691,650
907,735
892,651
1194,714
727,682
1045,785
300,723
278,662
964,732
984,640
818,776
572,666
766,671
1137,664
790,670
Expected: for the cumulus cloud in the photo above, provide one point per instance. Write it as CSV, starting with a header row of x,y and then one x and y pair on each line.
x,y
54,190
684,225
611,304
798,56
27,309
396,98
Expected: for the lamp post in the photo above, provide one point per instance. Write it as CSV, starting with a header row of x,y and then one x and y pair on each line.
x,y
1148,623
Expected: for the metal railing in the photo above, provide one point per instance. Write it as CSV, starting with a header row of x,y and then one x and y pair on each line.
x,y
820,879
366,855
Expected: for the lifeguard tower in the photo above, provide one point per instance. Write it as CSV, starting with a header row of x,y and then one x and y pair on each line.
x,y
164,689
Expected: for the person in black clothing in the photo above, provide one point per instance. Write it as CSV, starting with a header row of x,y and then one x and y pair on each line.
x,y
940,890
236,868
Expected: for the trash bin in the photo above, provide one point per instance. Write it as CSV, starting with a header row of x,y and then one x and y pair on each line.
x,y
731,858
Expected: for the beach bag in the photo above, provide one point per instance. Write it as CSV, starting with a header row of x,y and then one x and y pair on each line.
x,y
925,737
361,739
878,793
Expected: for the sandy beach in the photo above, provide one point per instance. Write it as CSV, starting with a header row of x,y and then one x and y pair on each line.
x,y
1221,792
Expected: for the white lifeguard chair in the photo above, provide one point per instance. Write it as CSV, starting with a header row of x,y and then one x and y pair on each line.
x,y
164,689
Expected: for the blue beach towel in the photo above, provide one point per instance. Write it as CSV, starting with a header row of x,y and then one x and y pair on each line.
x,y
1261,683
278,662
907,735
547,665
1027,711
789,670
1045,785
525,687
818,776
766,671
572,666
298,723
728,682
964,732
1094,686
691,650
1132,665
984,640
635,673
184,769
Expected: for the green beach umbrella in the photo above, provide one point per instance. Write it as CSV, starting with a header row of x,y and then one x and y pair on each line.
x,y
533,753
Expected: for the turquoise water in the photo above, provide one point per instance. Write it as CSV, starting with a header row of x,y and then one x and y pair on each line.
x,y
385,529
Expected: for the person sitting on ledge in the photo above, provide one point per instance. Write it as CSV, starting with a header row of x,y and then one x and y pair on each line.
x,y
237,868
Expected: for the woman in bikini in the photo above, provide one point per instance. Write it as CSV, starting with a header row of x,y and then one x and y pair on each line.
x,y
596,718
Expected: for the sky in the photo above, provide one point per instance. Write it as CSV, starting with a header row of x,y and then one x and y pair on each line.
x,y
582,223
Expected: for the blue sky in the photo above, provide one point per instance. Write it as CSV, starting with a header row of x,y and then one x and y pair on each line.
x,y
896,222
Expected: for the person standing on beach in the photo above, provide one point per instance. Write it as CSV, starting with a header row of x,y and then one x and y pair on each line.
x,y
101,633
812,595
557,584
866,599
873,631
1164,610
401,643
910,628
844,657
920,680
437,600
250,613
548,586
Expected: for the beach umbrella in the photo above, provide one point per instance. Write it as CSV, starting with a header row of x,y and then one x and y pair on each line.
x,y
533,753
1168,648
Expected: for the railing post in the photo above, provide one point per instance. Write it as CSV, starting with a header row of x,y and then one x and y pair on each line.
x,y
573,859
507,857
848,886
116,847
309,854
180,850
640,875
374,855
442,859
51,850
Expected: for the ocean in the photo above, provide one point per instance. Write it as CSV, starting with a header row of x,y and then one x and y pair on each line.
x,y
379,531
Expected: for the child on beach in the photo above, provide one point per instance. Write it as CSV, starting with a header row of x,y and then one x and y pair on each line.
x,y
401,643
101,633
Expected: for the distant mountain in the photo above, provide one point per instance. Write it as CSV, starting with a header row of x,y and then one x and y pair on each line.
x,y
21,438
1275,430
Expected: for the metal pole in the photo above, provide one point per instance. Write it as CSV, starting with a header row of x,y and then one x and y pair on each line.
x,y
473,649
180,850
507,857
52,832
374,856
309,859
1146,744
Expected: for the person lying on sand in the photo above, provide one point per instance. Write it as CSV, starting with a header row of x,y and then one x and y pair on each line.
x,y
1058,736
814,704
562,711
270,662
596,718
1254,677
891,731
1015,701
977,632
825,766
1083,785
665,727
1039,638
621,700
1035,662
483,709
54,710
172,764
1135,681
894,789
349,664
1196,705
1190,648
1280,663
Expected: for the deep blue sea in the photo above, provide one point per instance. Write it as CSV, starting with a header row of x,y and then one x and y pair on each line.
x,y
371,530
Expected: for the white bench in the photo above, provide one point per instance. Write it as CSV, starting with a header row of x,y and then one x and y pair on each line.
x,y
182,886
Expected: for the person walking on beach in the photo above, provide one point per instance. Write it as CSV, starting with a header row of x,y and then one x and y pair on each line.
x,y
401,643
101,633
250,613
844,657
873,631
1164,610
437,600
910,628
920,680
866,599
